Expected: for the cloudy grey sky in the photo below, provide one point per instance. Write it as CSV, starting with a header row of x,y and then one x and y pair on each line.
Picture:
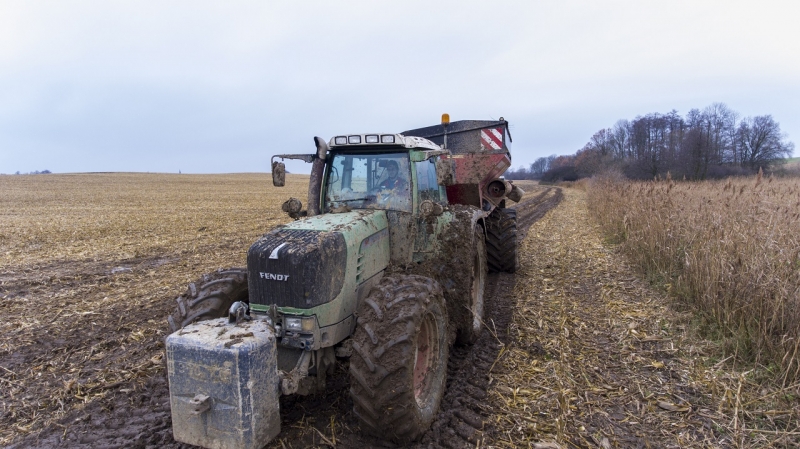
x,y
212,87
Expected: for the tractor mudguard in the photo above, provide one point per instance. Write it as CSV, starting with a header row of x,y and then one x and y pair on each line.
x,y
224,384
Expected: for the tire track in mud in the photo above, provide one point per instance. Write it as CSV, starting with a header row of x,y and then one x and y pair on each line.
x,y
529,211
460,422
137,415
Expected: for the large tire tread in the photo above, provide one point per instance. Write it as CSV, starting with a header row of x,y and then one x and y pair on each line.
x,y
501,241
209,297
381,367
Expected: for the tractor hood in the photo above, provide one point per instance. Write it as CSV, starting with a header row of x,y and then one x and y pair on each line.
x,y
302,265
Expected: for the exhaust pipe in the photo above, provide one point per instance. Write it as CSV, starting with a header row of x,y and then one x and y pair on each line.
x,y
315,183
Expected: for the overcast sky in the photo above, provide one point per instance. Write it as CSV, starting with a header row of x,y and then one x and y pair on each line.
x,y
213,87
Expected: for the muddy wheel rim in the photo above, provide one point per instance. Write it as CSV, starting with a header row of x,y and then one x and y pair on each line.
x,y
427,351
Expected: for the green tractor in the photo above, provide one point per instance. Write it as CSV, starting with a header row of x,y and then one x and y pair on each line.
x,y
386,267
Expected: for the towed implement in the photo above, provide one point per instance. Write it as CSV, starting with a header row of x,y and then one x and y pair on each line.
x,y
386,267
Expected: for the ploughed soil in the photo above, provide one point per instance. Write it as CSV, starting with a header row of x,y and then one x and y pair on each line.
x,y
101,382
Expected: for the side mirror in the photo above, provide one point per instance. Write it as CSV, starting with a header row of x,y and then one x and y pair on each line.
x,y
278,174
445,172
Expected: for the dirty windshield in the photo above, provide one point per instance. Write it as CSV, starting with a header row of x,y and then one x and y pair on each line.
x,y
368,181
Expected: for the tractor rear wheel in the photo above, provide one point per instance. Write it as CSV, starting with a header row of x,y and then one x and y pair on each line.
x,y
399,363
471,323
501,240
209,297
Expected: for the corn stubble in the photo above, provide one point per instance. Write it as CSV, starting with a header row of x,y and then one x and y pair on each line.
x,y
121,216
88,266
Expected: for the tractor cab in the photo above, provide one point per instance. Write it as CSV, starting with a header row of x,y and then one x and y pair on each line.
x,y
380,171
368,180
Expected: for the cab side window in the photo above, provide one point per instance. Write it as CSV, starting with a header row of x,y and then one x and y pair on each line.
x,y
426,181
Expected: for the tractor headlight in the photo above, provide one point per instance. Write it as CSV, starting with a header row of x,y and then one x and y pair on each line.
x,y
297,324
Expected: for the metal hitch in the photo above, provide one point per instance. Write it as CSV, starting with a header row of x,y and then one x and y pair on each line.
x,y
201,403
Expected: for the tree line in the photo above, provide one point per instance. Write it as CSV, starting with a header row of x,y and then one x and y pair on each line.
x,y
35,172
710,143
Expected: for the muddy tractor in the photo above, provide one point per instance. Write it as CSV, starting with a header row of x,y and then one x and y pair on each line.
x,y
385,267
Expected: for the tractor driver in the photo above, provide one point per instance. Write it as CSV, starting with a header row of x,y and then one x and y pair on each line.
x,y
393,192
393,181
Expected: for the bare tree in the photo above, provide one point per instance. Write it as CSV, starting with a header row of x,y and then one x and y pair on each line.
x,y
761,142
706,143
621,139
601,142
539,166
694,155
719,119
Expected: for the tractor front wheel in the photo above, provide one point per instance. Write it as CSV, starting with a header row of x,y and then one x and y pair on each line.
x,y
209,297
399,363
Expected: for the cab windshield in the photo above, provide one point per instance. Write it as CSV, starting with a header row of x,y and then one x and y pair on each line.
x,y
368,181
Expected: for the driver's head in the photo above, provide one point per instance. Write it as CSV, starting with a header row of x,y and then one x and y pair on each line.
x,y
392,169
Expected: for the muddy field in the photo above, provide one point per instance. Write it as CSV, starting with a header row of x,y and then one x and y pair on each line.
x,y
577,351
89,266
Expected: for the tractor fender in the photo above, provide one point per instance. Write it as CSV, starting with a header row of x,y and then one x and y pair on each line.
x,y
466,220
465,292
478,219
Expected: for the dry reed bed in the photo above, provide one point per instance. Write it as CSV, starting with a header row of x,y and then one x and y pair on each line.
x,y
89,264
599,359
729,248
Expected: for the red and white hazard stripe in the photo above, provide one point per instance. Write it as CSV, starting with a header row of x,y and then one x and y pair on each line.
x,y
492,139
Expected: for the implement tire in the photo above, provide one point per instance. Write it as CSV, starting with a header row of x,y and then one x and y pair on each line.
x,y
399,364
471,323
501,241
209,297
